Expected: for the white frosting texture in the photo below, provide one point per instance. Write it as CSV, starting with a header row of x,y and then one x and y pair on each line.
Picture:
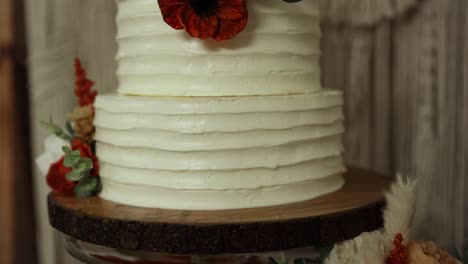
x,y
199,153
151,196
278,53
206,125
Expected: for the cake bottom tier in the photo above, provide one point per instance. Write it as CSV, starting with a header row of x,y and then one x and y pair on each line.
x,y
219,153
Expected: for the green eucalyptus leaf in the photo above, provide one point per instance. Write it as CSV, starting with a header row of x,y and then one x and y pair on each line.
x,y
69,128
54,129
66,149
86,187
90,183
68,162
88,162
80,168
75,176
76,154
80,192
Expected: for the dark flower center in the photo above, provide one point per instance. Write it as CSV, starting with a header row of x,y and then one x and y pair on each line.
x,y
204,8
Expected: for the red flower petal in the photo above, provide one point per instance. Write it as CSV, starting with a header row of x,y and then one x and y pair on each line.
x,y
229,29
197,26
83,86
170,10
231,9
56,178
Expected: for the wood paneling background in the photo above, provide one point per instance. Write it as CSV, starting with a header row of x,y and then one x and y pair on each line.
x,y
17,235
403,65
404,73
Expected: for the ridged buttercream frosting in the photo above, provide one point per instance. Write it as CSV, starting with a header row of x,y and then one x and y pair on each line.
x,y
206,125
171,147
278,53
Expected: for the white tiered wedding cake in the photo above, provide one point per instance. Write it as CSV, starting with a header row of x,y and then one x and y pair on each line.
x,y
202,124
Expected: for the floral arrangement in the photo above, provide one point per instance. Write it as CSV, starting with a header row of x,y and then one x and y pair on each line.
x,y
77,168
216,19
393,244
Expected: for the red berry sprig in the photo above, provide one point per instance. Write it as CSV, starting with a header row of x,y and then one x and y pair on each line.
x,y
399,254
83,86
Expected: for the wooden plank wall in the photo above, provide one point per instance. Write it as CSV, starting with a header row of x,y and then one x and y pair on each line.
x,y
406,104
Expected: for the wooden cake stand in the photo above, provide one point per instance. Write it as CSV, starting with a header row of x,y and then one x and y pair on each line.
x,y
343,215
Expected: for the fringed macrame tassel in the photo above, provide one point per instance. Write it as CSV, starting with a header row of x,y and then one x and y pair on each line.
x,y
373,248
400,209
363,12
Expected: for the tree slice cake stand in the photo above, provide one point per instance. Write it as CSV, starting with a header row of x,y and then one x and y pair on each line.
x,y
345,214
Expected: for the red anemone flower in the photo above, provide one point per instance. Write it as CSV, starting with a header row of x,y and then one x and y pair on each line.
x,y
57,180
217,19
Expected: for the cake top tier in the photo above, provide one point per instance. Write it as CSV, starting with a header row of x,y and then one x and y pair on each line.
x,y
277,53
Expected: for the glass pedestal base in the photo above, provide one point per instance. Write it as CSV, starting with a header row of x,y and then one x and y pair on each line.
x,y
94,254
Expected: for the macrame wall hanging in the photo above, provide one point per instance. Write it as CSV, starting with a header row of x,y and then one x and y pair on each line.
x,y
365,12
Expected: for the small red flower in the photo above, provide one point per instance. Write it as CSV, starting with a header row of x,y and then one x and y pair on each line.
x,y
83,86
56,178
86,152
217,19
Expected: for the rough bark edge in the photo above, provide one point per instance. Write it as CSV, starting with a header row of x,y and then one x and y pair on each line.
x,y
214,239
